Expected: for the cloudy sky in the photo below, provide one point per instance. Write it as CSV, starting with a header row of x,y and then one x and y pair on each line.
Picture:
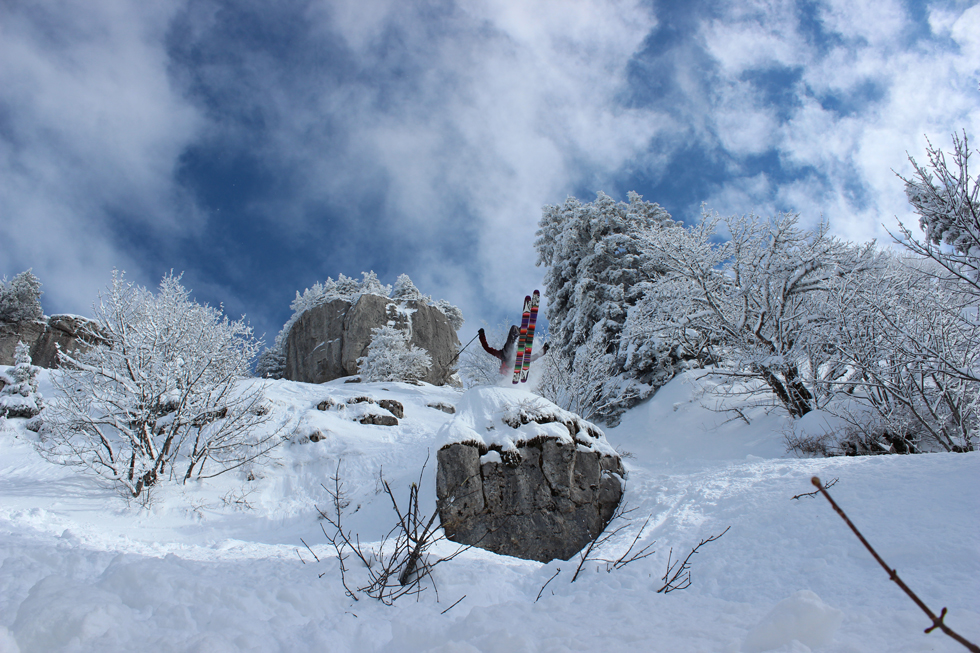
x,y
260,147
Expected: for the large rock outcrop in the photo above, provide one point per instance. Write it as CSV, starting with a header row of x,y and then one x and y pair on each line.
x,y
521,477
69,332
13,332
326,341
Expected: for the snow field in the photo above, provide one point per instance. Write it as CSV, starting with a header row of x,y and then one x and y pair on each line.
x,y
199,570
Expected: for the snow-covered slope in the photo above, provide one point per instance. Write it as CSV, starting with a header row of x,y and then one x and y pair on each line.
x,y
220,565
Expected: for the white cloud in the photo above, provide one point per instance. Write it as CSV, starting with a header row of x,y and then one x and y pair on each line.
x,y
515,101
890,95
92,133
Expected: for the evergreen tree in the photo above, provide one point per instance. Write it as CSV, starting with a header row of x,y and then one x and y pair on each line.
x,y
20,298
19,396
595,270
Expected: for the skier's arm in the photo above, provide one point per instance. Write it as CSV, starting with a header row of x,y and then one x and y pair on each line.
x,y
496,353
544,350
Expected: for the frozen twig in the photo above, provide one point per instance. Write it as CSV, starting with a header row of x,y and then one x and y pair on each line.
x,y
816,492
937,622
399,563
679,577
554,576
453,605
599,542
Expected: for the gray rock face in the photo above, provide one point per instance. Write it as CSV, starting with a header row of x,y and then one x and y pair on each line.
x,y
326,341
70,332
13,332
548,501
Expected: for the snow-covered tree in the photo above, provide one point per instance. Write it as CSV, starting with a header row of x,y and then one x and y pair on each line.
x,y
936,332
947,203
900,345
755,301
405,290
19,396
452,312
594,270
271,364
160,398
391,358
20,298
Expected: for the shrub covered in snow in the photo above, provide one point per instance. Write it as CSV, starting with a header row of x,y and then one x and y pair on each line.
x,y
19,396
161,396
20,298
391,358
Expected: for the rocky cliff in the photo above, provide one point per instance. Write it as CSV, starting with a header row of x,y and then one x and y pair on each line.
x,y
326,341
44,337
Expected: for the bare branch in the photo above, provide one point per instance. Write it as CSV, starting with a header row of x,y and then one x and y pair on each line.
x,y
678,576
937,622
816,492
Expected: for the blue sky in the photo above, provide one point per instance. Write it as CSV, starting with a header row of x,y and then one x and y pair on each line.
x,y
261,147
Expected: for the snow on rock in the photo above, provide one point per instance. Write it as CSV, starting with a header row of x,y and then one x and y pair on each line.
x,y
521,477
502,419
802,618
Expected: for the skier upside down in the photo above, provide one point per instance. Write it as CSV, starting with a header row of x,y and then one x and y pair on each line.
x,y
508,354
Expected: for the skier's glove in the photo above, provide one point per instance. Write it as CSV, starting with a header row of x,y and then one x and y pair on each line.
x,y
481,332
544,350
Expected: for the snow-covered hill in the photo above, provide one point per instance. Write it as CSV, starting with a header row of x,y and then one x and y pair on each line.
x,y
220,566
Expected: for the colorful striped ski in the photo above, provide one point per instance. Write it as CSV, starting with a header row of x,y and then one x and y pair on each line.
x,y
529,341
525,318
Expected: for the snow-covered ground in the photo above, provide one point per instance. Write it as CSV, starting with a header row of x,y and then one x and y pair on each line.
x,y
220,566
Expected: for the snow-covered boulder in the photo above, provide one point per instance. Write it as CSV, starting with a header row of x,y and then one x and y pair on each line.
x,y
519,476
326,341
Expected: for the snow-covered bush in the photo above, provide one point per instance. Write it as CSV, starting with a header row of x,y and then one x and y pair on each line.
x,y
20,298
595,269
271,363
390,357
19,396
160,398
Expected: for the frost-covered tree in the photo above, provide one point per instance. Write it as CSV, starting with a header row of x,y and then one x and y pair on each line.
x,y
19,396
899,345
405,290
20,298
161,397
755,301
946,200
391,358
586,383
271,364
595,266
